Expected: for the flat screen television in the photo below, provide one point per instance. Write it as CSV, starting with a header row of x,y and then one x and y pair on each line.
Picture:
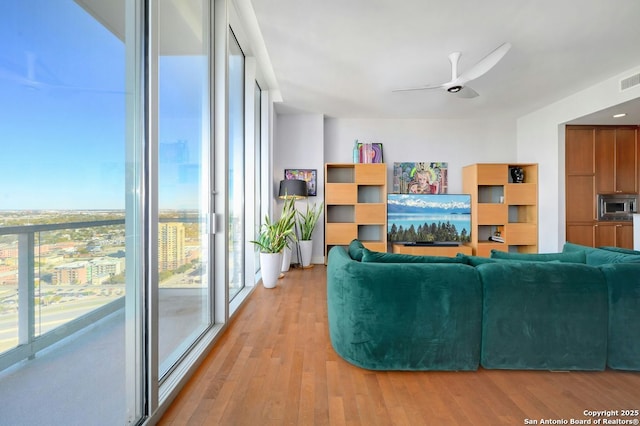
x,y
428,218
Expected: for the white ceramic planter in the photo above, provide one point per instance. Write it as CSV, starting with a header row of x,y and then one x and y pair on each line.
x,y
306,247
286,259
270,266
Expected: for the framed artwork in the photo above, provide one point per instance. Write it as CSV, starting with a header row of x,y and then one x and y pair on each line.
x,y
420,178
370,152
308,175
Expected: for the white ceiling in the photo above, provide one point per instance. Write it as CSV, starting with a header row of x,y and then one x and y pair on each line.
x,y
342,58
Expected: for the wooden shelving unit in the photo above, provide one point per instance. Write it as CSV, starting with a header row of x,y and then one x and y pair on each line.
x,y
499,205
355,205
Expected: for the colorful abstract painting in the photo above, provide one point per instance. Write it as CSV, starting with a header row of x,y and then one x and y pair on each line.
x,y
420,178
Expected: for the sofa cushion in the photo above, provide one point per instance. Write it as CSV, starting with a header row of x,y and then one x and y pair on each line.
x,y
539,315
598,256
476,260
620,250
623,281
480,260
355,250
569,257
376,256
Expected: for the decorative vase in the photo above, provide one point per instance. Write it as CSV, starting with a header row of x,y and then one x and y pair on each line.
x,y
270,265
517,174
306,248
286,259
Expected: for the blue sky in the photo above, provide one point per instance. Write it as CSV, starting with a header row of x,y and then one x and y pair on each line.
x,y
63,116
61,108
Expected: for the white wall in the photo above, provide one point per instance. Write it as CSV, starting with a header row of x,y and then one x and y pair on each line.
x,y
540,139
457,142
298,144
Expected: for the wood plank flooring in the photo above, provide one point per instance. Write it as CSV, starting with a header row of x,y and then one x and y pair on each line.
x,y
275,366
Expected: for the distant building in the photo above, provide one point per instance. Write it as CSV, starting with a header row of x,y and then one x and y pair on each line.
x,y
73,273
104,266
170,246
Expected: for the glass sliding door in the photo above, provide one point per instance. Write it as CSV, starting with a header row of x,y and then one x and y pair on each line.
x,y
183,124
236,168
69,213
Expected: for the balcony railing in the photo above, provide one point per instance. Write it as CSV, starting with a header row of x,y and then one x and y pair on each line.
x,y
32,339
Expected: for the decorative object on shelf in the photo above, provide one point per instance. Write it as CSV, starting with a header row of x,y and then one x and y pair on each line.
x,y
369,153
420,178
517,174
273,237
290,191
356,152
307,222
310,176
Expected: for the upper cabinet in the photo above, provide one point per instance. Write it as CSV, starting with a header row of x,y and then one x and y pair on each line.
x,y
616,157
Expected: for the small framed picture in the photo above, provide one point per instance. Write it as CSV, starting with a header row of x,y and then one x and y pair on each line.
x,y
308,175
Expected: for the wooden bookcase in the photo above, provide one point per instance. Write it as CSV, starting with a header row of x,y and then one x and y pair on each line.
x,y
500,205
355,205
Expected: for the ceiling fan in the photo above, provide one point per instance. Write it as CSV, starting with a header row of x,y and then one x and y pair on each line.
x,y
457,84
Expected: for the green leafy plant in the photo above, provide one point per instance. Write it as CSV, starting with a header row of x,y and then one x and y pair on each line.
x,y
308,220
275,236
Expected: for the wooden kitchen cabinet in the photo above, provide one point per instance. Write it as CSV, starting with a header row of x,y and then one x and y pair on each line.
x,y
614,235
581,233
599,160
616,165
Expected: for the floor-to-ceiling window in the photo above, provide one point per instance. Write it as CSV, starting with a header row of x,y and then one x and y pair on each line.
x,y
183,140
236,167
107,211
69,213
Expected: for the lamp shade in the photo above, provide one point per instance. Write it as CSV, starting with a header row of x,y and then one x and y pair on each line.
x,y
292,188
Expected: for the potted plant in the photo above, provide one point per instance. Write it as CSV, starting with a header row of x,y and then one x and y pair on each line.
x,y
307,222
289,216
272,240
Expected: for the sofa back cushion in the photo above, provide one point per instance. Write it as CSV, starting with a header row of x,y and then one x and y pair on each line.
x,y
598,256
620,250
481,260
355,249
569,257
378,257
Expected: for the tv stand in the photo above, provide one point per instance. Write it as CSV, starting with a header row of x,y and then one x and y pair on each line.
x,y
432,249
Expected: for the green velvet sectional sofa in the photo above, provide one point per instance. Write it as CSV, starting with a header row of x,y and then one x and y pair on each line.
x,y
575,310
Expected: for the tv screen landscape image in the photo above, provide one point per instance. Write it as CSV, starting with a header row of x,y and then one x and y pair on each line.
x,y
429,218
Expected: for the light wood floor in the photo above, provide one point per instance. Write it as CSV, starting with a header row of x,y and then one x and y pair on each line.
x,y
275,366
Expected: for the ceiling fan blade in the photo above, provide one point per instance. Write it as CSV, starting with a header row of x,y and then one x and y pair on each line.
x,y
466,92
428,87
485,64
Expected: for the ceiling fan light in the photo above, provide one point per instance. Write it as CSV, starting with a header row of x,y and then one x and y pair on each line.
x,y
454,89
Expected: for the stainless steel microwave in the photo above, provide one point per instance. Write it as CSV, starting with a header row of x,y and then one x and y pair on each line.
x,y
617,206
